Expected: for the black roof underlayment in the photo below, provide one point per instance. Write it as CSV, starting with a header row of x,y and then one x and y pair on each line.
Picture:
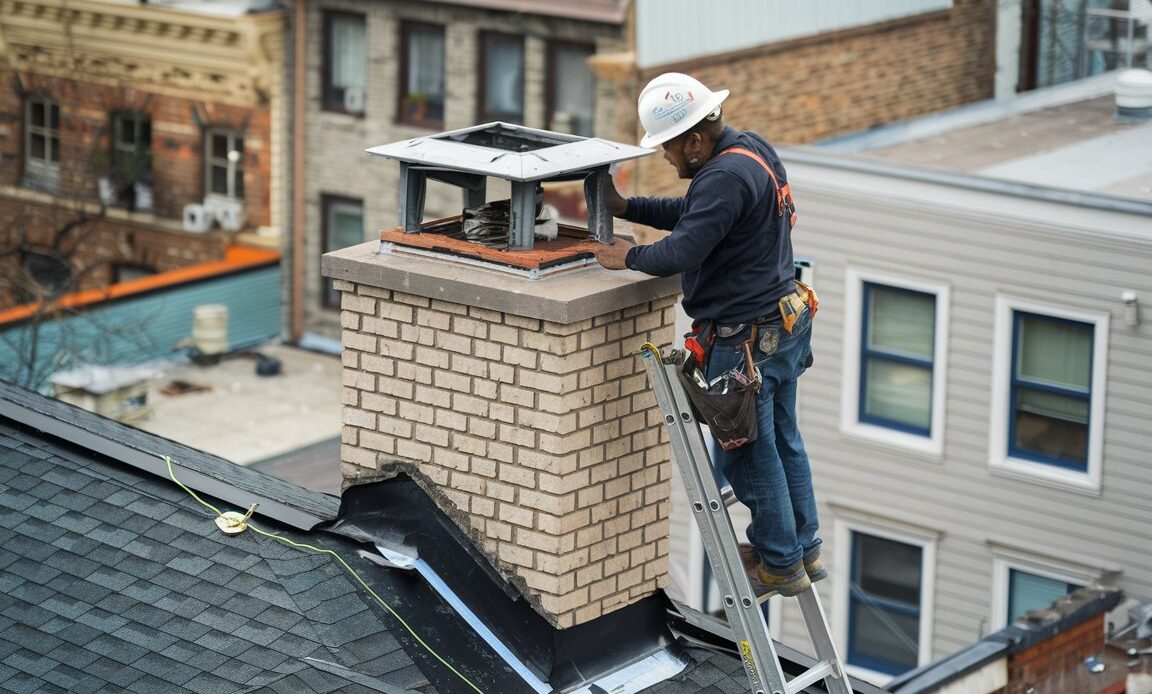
x,y
114,579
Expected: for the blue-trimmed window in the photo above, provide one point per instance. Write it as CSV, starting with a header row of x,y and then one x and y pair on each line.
x,y
897,356
1029,591
1051,390
884,604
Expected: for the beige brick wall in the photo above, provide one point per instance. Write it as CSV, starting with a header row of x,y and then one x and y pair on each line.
x,y
543,435
335,142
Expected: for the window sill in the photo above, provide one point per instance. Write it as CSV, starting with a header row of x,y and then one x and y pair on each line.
x,y
930,447
1047,475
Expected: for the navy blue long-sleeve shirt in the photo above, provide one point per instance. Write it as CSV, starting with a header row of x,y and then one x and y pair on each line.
x,y
732,248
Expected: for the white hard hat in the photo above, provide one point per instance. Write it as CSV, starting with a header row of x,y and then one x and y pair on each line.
x,y
672,103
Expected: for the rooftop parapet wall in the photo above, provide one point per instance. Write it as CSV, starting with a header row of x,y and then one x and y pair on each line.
x,y
525,403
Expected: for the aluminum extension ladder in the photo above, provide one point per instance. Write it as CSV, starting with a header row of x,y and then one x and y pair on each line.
x,y
710,511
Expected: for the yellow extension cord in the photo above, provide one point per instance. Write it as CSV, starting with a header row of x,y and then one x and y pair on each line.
x,y
230,520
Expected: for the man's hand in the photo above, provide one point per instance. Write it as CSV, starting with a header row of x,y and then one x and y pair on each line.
x,y
612,255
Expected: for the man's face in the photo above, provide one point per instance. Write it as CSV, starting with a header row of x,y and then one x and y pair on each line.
x,y
674,155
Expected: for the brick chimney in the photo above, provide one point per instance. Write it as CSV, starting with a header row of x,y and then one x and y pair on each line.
x,y
525,403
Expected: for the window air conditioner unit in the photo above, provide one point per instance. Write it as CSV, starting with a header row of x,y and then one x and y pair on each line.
x,y
196,218
354,99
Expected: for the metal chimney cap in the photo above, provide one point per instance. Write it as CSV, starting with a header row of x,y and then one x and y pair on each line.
x,y
511,152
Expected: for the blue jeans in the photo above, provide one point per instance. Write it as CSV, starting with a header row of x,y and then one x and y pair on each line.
x,y
771,475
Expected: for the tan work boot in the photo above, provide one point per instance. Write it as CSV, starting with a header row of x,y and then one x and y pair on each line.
x,y
767,583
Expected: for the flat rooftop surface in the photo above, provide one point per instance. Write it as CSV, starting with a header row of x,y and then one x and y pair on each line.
x,y
1067,138
288,425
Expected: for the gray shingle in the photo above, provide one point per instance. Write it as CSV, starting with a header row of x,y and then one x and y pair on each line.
x,y
28,548
47,512
67,677
150,685
26,661
71,563
155,509
206,683
31,615
148,615
257,633
175,581
113,672
111,579
111,535
263,658
184,629
72,655
193,566
220,619
101,620
145,637
117,649
15,499
166,668
278,617
146,592
32,571
246,606
78,634
348,629
66,607
152,550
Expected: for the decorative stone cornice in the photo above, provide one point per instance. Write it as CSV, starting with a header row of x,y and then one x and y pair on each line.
x,y
220,58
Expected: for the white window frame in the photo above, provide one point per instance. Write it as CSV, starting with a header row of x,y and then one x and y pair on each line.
x,y
234,169
926,540
850,424
999,461
1002,565
42,169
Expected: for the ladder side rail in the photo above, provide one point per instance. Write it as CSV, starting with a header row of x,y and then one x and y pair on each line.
x,y
753,640
816,624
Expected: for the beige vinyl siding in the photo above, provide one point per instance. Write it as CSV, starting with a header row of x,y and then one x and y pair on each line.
x,y
981,245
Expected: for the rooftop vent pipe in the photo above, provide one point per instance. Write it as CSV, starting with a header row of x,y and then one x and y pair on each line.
x,y
1134,95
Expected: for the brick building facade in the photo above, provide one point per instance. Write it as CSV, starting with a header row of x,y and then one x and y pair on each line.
x,y
805,89
116,118
348,195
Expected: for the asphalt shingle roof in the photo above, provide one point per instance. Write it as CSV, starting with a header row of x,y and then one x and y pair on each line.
x,y
114,580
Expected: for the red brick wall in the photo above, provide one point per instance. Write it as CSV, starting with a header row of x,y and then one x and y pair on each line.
x,y
178,125
1057,664
804,90
93,248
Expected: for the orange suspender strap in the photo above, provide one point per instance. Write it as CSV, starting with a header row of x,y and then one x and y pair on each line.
x,y
784,199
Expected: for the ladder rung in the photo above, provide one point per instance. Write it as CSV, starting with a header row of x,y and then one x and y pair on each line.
x,y
810,676
727,496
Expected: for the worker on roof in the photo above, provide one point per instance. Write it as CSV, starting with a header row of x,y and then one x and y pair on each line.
x,y
731,243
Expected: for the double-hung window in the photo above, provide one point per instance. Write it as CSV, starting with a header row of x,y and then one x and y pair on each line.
x,y
422,75
41,143
884,603
502,68
224,163
343,227
344,62
1051,390
899,331
572,88
131,174
1048,393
